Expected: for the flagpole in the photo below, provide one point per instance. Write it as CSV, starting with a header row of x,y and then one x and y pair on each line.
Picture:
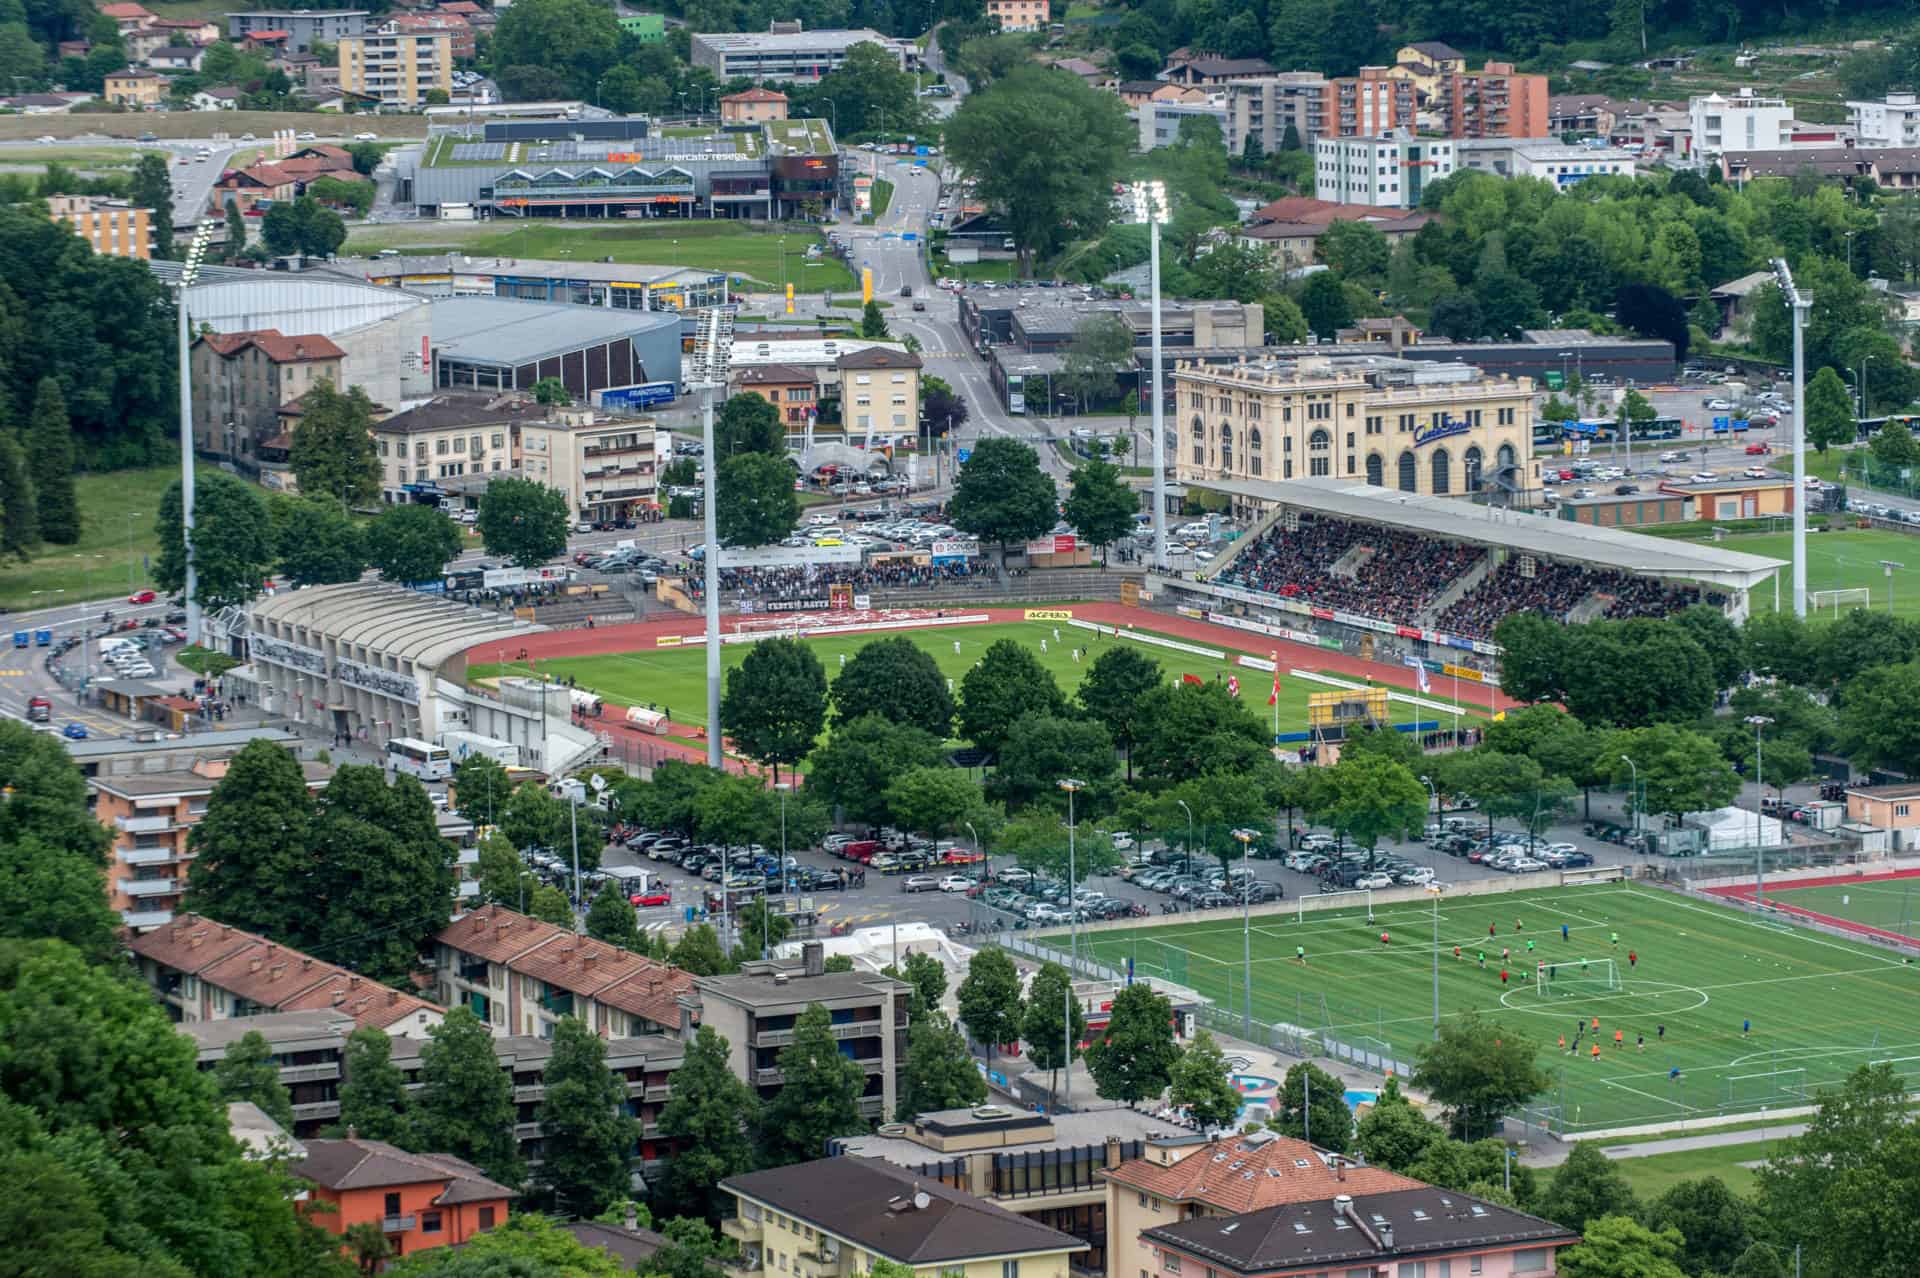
x,y
1274,698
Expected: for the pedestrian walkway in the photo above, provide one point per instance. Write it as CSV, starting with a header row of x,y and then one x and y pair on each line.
x,y
1548,1152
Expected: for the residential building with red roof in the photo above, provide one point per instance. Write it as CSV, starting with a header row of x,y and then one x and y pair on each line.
x,y
753,106
418,1201
455,25
128,17
240,380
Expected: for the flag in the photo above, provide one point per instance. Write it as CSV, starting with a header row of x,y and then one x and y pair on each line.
x,y
1419,668
1191,678
1233,685
1273,698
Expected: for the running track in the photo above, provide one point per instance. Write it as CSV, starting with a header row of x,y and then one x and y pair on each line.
x,y
1745,892
642,636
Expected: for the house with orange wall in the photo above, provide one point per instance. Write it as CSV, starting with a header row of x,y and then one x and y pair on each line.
x,y
419,1201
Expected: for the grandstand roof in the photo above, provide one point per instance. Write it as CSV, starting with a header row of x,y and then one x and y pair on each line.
x,y
1455,520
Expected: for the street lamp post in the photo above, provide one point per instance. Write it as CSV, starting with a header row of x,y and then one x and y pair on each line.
x,y
1758,721
766,912
1246,939
986,865
1186,861
1072,786
1634,796
131,515
1861,382
1433,890
191,587
1887,566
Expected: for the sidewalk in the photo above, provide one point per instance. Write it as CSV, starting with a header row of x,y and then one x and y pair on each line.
x,y
1549,1152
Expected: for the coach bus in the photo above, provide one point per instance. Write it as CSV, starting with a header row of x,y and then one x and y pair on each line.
x,y
420,759
1865,427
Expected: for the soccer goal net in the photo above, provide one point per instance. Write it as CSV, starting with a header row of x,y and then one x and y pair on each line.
x,y
1852,597
1778,1086
1576,976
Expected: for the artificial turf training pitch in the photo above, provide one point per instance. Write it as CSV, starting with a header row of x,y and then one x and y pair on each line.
x,y
676,678
1819,1007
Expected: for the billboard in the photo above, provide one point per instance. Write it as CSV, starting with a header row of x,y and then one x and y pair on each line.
x,y
641,396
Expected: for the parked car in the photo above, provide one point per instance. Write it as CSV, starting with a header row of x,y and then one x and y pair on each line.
x,y
645,900
74,732
918,882
1373,880
141,597
956,883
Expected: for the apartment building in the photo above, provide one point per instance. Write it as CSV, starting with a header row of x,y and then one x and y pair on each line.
x,y
459,31
207,971
113,227
136,87
395,65
1426,64
521,976
1419,427
1543,158
1266,107
1018,15
1365,105
833,1218
417,1201
786,51
603,466
755,1010
880,390
308,1048
1893,122
645,1065
1493,102
304,27
1391,171
1744,122
242,380
150,815
450,436
792,391
753,106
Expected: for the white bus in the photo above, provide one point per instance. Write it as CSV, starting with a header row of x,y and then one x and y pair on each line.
x,y
422,759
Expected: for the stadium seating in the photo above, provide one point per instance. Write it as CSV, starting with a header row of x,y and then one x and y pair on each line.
x,y
780,584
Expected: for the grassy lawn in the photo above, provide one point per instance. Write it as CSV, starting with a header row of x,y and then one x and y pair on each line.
x,y
710,245
676,677
1819,1006
1888,904
998,272
79,157
203,661
98,567
1841,561
194,124
882,195
1656,1174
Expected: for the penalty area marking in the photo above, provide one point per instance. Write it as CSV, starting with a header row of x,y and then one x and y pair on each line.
x,y
1628,989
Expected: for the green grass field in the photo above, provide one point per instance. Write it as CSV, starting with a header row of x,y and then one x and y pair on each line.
x,y
710,245
1819,1006
1840,561
1890,904
676,677
1654,1174
117,510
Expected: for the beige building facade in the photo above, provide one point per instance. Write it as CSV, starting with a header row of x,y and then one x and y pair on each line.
x,y
112,227
880,391
1433,429
396,66
604,467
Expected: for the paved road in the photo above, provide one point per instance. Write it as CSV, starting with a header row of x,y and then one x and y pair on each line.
x,y
1553,1153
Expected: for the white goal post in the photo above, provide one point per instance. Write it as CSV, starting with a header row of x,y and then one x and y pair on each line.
x,y
1852,597
1576,976
1333,901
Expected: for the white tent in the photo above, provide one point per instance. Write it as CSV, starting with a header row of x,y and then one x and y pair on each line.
x,y
1729,828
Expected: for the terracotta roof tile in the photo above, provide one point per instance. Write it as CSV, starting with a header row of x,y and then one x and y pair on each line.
x,y
374,1164
755,95
1239,1175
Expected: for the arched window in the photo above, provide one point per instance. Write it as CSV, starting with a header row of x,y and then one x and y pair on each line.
x,y
1226,446
1442,467
1319,443
1199,429
1376,470
1253,439
1506,456
1473,469
1409,473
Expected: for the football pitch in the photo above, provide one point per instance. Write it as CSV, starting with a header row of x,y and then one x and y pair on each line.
x,y
1819,1006
1892,905
675,678
1841,561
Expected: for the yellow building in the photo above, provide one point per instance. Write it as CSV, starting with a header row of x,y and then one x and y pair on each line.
x,y
1418,427
1018,15
1427,66
835,1217
112,227
397,67
603,466
880,391
753,106
136,87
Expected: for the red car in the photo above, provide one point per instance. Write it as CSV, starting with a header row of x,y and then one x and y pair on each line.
x,y
653,898
141,597
1759,450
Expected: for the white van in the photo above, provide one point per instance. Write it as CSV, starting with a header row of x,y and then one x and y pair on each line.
x,y
110,646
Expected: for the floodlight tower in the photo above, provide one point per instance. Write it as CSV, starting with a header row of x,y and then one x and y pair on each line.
x,y
1801,304
188,270
712,349
1150,206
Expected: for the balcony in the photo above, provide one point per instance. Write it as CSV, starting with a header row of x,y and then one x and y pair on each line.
x,y
146,856
650,1131
739,1227
397,1224
146,920
317,1110
291,1074
141,888
472,973
557,1002
530,1094
773,1038
468,889
663,1091
767,1077
144,824
526,1131
873,1106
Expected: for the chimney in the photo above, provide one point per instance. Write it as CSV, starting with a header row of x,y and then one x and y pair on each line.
x,y
393,998
1113,1152
254,965
813,956
353,982
339,996
1386,1237
586,962
226,930
275,973
305,962
1340,1171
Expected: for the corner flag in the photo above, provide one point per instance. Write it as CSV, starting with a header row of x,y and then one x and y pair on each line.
x,y
1273,698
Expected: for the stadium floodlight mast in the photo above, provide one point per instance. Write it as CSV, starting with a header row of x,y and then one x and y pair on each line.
x,y
1888,566
1073,786
1433,890
711,352
1759,721
1633,795
1150,206
189,268
1246,931
1800,303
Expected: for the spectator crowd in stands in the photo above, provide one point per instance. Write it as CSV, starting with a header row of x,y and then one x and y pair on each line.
x,y
1404,573
812,581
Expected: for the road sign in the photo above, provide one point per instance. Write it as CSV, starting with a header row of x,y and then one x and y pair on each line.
x,y
909,236
961,454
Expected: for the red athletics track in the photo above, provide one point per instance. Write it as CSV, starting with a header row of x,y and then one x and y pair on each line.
x,y
1745,893
643,635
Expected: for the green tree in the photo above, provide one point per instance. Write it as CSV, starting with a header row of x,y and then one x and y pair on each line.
x,y
1189,729
332,454
503,874
150,186
526,1245
19,518
1053,1025
479,786
412,543
1586,1187
860,761
1324,302
928,976
1532,656
1099,505
232,541
252,849
1876,725
552,391
611,918
248,1073
304,226
237,230
819,1096
748,424
373,1096
586,1132
939,1072
670,801
533,818
1478,1069
578,40
1102,348
1201,1085
1393,1134
1001,494
550,905
755,501
316,542
1114,691
1858,1140
1759,1261
1312,1106
1617,1246
1715,1223
698,951
1892,445
1357,251
1133,1061
1005,685
1286,322
759,929
933,801
873,323
523,521
989,999
897,680
465,1103
775,705
381,876
1680,771
49,444
1829,411
1045,149
1366,799
1040,750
